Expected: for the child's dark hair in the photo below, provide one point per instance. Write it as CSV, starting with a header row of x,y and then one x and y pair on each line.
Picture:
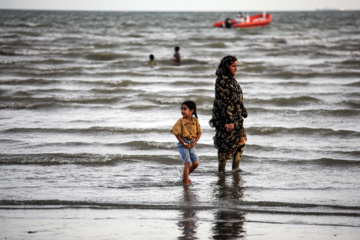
x,y
151,57
191,105
177,48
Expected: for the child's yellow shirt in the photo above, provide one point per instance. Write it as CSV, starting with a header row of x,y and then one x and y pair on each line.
x,y
186,129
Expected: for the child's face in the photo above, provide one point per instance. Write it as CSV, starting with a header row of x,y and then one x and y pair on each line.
x,y
186,112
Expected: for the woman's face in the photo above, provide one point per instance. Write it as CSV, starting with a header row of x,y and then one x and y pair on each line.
x,y
233,67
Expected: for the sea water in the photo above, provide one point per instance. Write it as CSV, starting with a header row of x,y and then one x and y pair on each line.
x,y
85,143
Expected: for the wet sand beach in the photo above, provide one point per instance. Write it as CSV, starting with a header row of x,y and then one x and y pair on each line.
x,y
169,224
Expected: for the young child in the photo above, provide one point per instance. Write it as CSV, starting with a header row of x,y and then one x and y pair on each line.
x,y
188,131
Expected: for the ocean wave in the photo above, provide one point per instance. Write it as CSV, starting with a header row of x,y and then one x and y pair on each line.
x,y
84,159
216,45
134,35
325,161
326,132
353,63
135,145
202,102
309,74
293,83
68,39
194,61
57,158
341,113
90,130
29,81
263,131
51,61
27,106
109,91
19,44
352,103
106,45
245,206
61,72
142,107
7,36
253,68
335,112
344,52
165,72
30,33
217,38
7,52
105,56
52,102
291,101
353,84
188,83
338,162
149,145
169,159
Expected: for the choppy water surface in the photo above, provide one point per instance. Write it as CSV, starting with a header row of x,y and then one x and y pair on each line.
x,y
85,121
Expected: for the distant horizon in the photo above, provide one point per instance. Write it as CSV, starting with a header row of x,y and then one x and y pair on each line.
x,y
181,6
180,11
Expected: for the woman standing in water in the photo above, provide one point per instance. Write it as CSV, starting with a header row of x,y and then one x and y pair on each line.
x,y
227,115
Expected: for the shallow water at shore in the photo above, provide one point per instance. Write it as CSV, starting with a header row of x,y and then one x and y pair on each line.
x,y
171,224
86,148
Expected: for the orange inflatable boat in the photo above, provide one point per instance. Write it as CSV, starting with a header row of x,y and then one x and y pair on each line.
x,y
259,20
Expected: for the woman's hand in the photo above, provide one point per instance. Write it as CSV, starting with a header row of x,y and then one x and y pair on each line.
x,y
229,127
244,113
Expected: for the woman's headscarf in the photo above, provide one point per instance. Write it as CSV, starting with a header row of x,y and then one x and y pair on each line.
x,y
223,68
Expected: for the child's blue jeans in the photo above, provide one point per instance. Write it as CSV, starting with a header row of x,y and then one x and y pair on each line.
x,y
192,154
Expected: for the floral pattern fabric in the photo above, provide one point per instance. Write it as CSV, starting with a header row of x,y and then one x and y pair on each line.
x,y
228,108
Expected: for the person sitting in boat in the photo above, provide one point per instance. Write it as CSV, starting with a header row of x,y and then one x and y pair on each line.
x,y
239,18
228,23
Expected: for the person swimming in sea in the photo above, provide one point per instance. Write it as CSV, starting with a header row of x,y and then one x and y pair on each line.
x,y
152,61
177,57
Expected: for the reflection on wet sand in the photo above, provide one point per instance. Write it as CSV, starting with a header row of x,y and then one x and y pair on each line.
x,y
188,223
229,224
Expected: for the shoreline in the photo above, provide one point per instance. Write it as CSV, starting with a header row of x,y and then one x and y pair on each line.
x,y
170,224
